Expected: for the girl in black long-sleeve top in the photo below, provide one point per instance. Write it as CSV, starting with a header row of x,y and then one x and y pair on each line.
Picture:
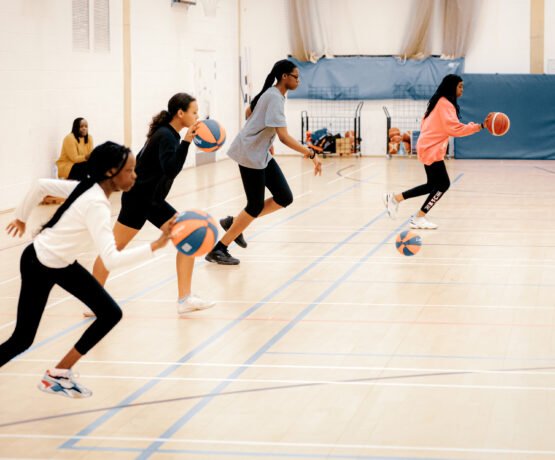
x,y
158,164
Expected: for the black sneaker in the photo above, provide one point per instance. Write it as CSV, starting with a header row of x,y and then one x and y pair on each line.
x,y
226,223
222,257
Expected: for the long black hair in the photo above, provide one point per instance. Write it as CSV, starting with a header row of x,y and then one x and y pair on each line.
x,y
103,158
177,101
75,129
279,68
447,89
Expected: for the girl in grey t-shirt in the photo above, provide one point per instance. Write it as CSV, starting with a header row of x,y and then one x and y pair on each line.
x,y
252,149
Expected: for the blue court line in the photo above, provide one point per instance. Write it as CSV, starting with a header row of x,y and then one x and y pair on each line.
x,y
209,341
253,454
172,277
54,337
149,451
153,448
109,414
88,320
408,356
545,169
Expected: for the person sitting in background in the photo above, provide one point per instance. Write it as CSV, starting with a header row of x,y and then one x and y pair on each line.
x,y
76,150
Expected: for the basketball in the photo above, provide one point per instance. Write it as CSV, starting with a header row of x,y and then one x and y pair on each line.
x,y
194,233
393,132
408,243
393,148
210,136
498,123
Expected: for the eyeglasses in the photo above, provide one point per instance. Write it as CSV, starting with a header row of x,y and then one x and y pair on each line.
x,y
296,77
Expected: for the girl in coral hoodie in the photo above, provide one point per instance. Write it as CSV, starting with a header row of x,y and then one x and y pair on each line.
x,y
440,121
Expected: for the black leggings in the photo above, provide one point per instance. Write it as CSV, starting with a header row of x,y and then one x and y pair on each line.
x,y
438,183
256,180
36,283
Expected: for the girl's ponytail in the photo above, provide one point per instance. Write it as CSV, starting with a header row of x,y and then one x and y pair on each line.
x,y
280,67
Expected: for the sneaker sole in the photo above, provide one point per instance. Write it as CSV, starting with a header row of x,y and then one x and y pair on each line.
x,y
61,393
219,262
191,309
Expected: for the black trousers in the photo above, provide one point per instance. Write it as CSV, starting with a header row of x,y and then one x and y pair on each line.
x,y
36,283
438,183
255,182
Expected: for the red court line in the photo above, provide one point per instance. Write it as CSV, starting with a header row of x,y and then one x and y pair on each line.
x,y
193,317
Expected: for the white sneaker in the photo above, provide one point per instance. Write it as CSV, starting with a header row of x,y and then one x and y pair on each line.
x,y
422,222
193,303
391,204
61,382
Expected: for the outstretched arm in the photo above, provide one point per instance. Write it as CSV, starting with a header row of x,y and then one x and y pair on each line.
x,y
294,144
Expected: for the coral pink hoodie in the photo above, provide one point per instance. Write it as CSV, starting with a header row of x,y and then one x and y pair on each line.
x,y
436,129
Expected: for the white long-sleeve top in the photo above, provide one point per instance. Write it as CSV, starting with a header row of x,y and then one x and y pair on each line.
x,y
88,218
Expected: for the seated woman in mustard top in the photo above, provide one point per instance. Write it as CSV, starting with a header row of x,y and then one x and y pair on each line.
x,y
76,149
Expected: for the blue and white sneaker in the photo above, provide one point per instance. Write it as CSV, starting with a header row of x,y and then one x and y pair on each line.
x,y
63,384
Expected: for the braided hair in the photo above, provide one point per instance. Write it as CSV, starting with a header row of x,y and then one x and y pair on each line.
x,y
177,101
103,158
279,68
447,89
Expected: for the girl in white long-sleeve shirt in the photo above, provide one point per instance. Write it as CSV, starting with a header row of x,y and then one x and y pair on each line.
x,y
52,258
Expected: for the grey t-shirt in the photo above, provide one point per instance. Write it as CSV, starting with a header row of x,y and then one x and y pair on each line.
x,y
251,146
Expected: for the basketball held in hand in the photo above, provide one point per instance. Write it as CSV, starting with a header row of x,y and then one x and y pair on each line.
x,y
497,123
210,135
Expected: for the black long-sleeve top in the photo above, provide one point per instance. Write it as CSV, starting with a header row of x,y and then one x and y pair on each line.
x,y
158,164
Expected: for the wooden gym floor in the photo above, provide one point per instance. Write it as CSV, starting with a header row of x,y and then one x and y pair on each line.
x,y
325,342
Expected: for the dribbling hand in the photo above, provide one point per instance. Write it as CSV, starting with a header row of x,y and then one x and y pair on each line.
x,y
165,235
317,166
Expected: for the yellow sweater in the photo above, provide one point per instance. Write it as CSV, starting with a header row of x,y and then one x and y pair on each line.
x,y
73,152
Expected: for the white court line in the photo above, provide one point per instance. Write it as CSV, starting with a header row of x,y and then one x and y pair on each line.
x,y
386,261
344,229
242,195
3,326
367,304
356,304
411,264
212,442
396,257
63,299
295,366
9,280
304,382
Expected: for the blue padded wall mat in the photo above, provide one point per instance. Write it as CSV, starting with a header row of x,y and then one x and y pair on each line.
x,y
373,77
528,100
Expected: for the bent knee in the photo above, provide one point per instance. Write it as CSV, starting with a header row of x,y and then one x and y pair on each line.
x,y
284,199
254,209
